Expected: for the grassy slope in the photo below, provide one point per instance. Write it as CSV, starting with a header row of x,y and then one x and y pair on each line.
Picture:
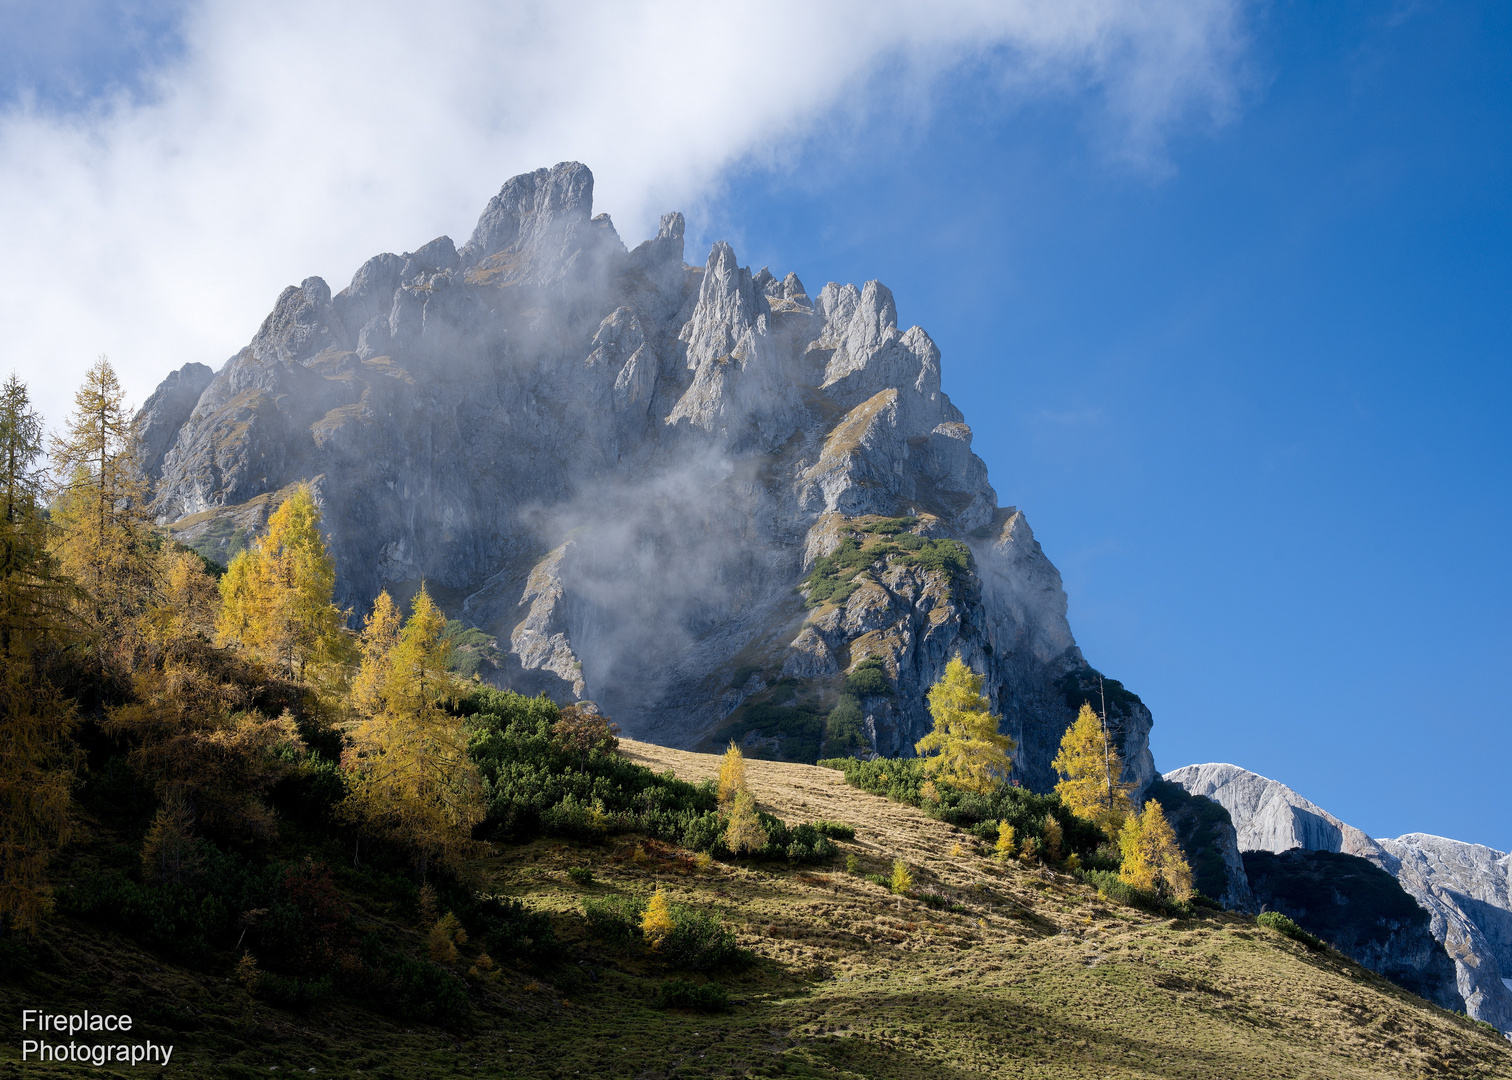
x,y
1037,978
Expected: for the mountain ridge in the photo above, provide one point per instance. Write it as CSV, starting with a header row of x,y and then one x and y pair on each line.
x,y
1464,889
571,442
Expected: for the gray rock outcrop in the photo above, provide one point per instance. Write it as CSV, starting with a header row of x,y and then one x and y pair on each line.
x,y
1465,889
626,469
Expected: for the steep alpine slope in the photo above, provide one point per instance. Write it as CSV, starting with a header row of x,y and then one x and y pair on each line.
x,y
1465,890
699,495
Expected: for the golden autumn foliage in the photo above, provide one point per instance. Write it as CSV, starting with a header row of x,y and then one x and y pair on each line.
x,y
1091,770
1007,843
744,832
409,776
277,594
657,922
965,749
37,756
732,775
104,536
195,738
1152,859
444,937
902,878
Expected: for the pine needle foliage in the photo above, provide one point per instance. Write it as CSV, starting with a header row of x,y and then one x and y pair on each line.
x,y
732,775
105,541
657,923
1152,859
745,832
1091,769
410,778
37,755
965,749
1006,846
277,593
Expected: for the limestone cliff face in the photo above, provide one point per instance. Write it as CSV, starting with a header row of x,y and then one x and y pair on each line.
x,y
627,468
1464,889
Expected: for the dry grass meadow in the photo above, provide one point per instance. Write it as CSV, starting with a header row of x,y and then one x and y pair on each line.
x,y
1031,975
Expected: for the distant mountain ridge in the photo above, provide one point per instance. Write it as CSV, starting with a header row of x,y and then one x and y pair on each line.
x,y
1465,890
696,494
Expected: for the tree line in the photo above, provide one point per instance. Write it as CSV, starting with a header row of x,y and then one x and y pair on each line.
x,y
213,682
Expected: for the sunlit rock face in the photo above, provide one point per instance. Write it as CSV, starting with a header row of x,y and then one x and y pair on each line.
x,y
1464,891
625,467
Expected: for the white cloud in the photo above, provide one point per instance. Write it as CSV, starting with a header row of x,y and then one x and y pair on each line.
x,y
292,138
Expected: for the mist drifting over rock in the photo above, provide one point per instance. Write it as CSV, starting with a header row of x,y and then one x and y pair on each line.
x,y
624,467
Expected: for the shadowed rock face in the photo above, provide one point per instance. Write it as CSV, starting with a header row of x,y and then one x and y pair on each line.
x,y
1362,911
1464,889
624,467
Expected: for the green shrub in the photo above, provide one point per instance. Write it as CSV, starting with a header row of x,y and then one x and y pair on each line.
x,y
293,993
1110,887
869,678
842,729
1274,920
511,931
412,989
700,942
743,675
614,918
837,575
835,830
580,875
681,994
902,779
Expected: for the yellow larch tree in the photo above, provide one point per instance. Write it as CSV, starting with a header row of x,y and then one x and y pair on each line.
x,y
965,748
1152,859
744,831
1091,770
277,593
37,757
409,776
657,923
732,775
104,535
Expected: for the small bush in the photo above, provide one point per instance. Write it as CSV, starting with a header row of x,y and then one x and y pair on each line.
x,y
879,879
852,864
292,992
868,679
614,918
902,878
699,942
681,994
1274,920
835,830
1110,887
581,875
510,930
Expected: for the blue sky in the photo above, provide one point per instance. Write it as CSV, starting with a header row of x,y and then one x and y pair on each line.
x,y
1255,406
1249,380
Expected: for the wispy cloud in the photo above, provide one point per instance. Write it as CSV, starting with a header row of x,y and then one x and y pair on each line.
x,y
285,138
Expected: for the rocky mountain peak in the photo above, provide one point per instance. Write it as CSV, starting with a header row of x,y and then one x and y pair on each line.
x,y
699,495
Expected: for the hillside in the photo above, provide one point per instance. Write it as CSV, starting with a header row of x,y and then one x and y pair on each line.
x,y
1022,972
